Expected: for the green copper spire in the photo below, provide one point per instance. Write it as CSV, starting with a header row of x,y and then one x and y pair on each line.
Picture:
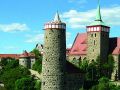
x,y
98,15
98,20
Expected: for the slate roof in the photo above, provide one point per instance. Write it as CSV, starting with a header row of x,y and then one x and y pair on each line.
x,y
79,46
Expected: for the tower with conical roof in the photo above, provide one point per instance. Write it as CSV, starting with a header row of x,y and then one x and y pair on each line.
x,y
54,56
97,38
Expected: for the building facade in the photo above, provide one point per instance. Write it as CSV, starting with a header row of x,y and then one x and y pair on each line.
x,y
27,59
96,42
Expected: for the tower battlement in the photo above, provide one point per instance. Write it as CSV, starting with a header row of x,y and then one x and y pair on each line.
x,y
55,24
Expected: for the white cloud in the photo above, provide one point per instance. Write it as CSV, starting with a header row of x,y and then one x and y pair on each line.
x,y
35,38
77,20
68,35
13,27
69,45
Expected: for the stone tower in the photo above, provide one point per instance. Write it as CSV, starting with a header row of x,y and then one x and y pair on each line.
x,y
54,56
97,38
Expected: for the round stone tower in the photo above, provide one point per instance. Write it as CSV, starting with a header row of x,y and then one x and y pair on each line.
x,y
54,56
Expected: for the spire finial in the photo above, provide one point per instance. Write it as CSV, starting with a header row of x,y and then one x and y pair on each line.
x,y
98,15
57,17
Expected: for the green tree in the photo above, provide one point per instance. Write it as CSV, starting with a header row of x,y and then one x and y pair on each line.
x,y
25,83
38,85
38,56
84,65
103,84
38,63
37,66
111,63
11,72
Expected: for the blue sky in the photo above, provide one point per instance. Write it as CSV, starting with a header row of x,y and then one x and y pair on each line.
x,y
21,21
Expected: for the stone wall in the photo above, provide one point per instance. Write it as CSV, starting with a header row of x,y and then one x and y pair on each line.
x,y
54,59
27,62
75,59
23,62
97,45
116,71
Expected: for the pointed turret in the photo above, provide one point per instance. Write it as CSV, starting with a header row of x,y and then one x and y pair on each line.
x,y
57,17
98,19
56,23
98,14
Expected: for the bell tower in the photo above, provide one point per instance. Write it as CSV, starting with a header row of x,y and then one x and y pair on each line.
x,y
97,38
54,56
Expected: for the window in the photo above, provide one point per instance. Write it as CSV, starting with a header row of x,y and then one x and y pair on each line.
x,y
91,35
92,60
94,42
43,83
95,34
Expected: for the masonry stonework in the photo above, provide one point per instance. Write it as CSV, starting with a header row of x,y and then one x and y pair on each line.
x,y
97,45
54,58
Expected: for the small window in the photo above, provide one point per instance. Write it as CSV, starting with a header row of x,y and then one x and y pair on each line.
x,y
43,83
95,34
94,42
58,36
91,35
74,58
92,60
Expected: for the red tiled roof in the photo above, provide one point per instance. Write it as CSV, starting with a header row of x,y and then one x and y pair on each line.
x,y
26,54
16,56
79,46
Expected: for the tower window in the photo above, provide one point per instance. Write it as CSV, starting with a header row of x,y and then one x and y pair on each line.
x,y
43,83
95,34
94,42
91,35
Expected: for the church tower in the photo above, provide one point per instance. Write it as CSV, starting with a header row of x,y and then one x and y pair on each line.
x,y
54,56
98,38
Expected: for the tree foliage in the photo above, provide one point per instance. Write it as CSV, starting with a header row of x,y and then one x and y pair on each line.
x,y
25,83
11,72
38,63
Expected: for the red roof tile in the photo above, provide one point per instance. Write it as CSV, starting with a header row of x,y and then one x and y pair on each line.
x,y
26,54
15,56
79,46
